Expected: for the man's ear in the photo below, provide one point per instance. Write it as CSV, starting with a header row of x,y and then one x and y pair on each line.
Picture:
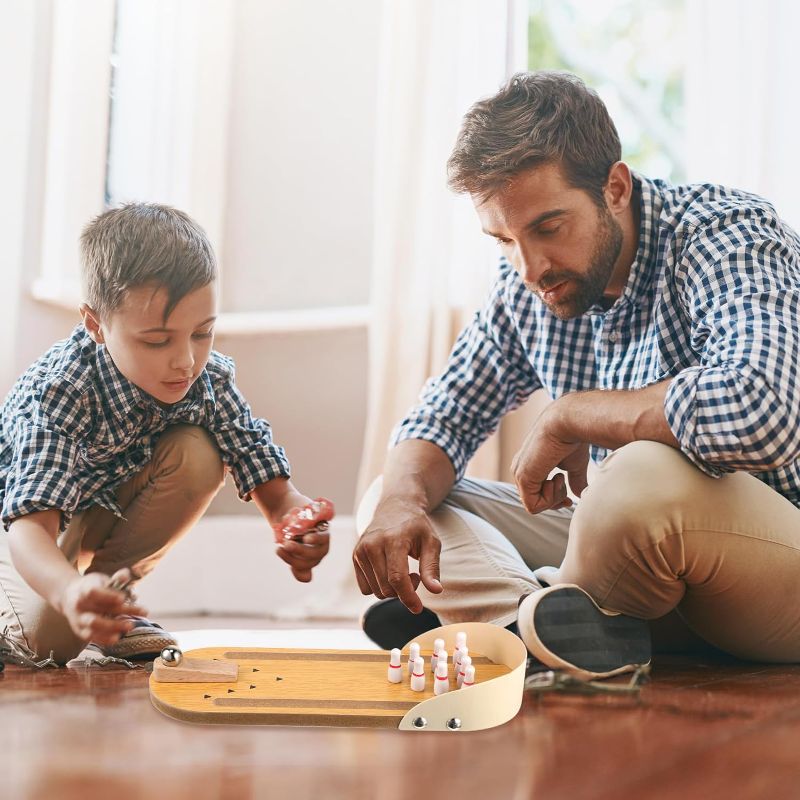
x,y
618,188
91,321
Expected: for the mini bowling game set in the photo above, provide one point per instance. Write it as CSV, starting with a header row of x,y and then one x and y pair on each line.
x,y
351,688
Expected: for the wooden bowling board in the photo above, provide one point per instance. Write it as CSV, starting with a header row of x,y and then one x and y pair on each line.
x,y
305,687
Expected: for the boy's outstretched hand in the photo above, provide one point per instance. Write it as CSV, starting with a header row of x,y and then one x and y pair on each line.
x,y
302,533
93,608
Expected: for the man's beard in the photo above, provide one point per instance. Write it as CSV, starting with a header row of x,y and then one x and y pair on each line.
x,y
587,288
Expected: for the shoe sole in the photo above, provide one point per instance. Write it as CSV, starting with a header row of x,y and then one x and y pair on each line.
x,y
148,645
565,629
390,624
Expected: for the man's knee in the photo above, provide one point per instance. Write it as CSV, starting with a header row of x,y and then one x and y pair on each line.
x,y
189,454
638,492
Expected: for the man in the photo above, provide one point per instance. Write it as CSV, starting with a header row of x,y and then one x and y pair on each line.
x,y
662,320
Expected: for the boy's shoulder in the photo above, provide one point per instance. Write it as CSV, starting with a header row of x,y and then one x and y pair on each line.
x,y
221,369
58,385
69,366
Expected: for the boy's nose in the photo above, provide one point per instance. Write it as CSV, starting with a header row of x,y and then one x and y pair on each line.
x,y
183,361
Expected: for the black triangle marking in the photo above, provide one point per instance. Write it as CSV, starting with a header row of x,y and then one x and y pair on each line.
x,y
252,686
206,696
278,679
254,669
231,691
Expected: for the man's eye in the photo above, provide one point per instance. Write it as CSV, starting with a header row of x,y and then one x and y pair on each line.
x,y
502,242
204,335
549,231
156,344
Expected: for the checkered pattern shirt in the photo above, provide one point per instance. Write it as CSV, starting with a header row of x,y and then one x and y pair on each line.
x,y
712,302
73,428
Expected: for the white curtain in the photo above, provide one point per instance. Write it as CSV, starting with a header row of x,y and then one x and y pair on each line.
x,y
742,110
432,265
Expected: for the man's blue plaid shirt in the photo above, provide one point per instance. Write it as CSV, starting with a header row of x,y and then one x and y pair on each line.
x,y
73,428
712,301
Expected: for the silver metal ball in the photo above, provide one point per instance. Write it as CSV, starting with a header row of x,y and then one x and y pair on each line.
x,y
171,656
454,723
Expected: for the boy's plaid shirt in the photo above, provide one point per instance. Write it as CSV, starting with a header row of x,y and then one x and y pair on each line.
x,y
73,428
712,301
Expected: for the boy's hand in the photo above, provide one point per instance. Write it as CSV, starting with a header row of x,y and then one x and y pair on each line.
x,y
92,608
303,552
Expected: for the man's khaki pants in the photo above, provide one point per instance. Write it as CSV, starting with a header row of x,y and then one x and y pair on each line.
x,y
707,560
160,504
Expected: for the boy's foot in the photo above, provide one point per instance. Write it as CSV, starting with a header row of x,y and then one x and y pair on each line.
x,y
565,629
144,641
390,624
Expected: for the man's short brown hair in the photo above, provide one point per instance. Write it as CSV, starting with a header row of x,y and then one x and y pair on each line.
x,y
144,244
536,118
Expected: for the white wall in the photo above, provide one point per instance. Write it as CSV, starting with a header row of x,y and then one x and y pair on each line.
x,y
298,227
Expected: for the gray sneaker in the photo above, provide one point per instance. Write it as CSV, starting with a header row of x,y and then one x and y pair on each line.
x,y
144,641
566,630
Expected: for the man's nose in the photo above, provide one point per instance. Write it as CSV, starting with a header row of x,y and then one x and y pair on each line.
x,y
532,264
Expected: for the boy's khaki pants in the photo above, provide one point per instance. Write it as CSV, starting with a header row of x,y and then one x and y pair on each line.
x,y
160,504
709,561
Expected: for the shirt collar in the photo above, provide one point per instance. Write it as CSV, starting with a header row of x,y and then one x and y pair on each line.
x,y
644,265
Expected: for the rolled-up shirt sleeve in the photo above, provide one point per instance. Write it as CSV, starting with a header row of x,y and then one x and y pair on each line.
x,y
245,441
47,455
487,375
739,408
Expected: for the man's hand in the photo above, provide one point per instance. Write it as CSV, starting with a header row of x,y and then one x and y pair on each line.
x,y
93,609
399,529
301,556
547,446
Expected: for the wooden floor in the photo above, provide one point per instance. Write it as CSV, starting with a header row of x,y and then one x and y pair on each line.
x,y
713,730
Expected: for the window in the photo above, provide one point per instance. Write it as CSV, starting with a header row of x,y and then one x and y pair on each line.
x,y
218,108
632,52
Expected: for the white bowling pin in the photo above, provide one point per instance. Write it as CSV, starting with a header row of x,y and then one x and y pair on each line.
x,y
413,653
465,662
418,675
461,641
441,681
469,677
438,652
395,672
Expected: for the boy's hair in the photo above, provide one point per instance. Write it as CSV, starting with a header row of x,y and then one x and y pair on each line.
x,y
141,244
536,118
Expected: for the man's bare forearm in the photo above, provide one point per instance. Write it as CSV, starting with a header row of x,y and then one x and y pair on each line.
x,y
419,472
613,418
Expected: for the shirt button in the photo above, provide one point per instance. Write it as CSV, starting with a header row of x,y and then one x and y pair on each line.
x,y
612,337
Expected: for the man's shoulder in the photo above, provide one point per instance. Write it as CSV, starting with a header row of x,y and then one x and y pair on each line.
x,y
710,208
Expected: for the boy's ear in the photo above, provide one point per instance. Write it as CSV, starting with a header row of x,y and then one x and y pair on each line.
x,y
91,321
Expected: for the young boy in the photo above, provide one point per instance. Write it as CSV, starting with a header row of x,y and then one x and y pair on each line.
x,y
113,444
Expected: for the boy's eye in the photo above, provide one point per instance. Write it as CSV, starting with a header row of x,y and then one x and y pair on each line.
x,y
156,344
204,335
